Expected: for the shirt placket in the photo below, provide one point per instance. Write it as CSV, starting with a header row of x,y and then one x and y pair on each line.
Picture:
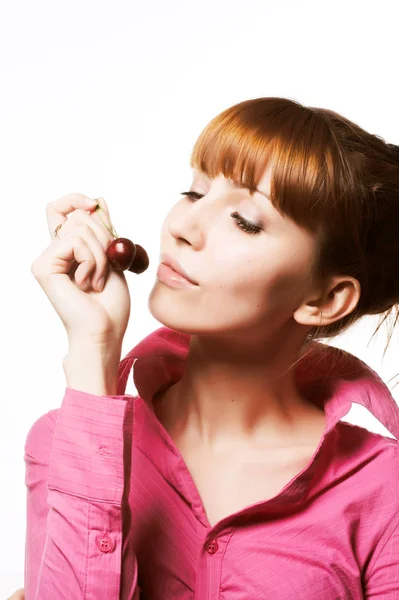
x,y
209,570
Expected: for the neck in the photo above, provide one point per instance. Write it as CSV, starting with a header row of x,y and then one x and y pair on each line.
x,y
232,392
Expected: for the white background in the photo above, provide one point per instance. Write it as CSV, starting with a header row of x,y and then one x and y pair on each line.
x,y
106,98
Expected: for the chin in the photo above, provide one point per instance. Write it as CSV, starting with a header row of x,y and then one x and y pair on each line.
x,y
169,311
185,313
174,310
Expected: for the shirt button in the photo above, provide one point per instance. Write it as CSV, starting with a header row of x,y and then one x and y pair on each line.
x,y
212,547
104,543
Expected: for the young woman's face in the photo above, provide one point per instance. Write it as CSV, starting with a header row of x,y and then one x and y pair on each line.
x,y
246,281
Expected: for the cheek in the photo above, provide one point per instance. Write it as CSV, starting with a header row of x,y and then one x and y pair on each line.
x,y
249,266
233,270
285,290
237,282
254,283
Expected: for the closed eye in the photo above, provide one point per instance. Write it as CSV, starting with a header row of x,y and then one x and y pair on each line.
x,y
242,223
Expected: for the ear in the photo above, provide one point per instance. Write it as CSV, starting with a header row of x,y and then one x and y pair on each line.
x,y
339,298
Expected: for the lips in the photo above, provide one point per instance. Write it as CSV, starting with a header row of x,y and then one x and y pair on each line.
x,y
167,259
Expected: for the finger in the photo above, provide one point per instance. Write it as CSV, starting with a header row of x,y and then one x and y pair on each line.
x,y
18,595
80,217
99,269
58,210
101,215
93,256
72,249
103,205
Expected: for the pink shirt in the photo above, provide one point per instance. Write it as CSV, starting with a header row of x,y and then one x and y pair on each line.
x,y
111,505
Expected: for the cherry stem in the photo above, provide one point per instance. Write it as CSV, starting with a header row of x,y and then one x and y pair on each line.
x,y
114,233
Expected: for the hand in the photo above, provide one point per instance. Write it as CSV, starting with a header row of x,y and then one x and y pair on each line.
x,y
70,267
18,595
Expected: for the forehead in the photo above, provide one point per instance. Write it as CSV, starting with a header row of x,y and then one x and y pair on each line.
x,y
263,185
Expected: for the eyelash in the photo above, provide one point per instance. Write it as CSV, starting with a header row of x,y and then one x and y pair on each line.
x,y
242,223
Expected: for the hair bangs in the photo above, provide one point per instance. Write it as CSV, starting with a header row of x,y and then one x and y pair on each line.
x,y
294,141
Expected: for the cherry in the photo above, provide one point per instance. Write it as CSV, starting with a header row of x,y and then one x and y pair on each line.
x,y
123,254
120,253
140,262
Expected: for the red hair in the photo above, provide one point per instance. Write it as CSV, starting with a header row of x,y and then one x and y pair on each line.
x,y
328,175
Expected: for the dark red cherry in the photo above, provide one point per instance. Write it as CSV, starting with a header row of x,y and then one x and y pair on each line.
x,y
140,262
121,253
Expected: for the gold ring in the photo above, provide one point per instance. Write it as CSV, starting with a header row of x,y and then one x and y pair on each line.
x,y
57,229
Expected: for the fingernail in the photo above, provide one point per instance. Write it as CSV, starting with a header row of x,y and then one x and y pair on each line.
x,y
100,284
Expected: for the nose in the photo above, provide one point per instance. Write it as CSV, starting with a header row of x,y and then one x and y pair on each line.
x,y
192,222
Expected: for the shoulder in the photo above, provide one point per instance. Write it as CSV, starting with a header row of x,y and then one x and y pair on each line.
x,y
378,440
375,453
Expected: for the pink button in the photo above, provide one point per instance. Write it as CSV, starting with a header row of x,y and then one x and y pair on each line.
x,y
212,547
105,543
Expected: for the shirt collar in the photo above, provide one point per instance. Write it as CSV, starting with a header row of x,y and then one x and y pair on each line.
x,y
331,377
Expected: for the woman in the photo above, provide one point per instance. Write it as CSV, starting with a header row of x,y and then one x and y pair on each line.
x,y
229,475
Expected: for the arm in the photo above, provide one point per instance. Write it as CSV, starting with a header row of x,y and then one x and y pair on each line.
x,y
75,473
383,576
